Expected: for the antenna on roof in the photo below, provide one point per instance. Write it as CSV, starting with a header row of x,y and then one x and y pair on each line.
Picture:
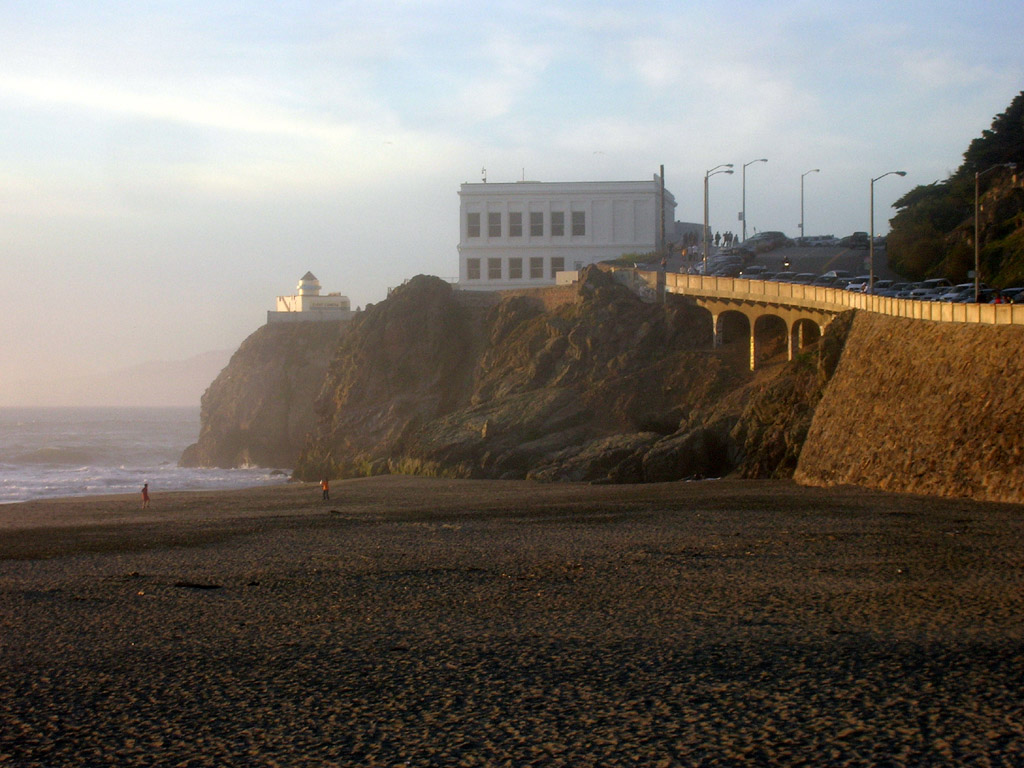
x,y
483,173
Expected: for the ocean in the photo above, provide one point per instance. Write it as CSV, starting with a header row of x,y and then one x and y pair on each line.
x,y
56,452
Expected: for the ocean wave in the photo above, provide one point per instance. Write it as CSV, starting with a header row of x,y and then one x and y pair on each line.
x,y
58,455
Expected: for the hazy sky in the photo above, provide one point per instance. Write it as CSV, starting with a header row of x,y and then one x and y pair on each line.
x,y
168,168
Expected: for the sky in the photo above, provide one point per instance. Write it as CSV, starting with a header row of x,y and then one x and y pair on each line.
x,y
168,168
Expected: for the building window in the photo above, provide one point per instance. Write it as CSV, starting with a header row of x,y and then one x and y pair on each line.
x,y
472,225
515,225
536,268
494,269
557,265
557,223
515,269
494,225
579,223
472,269
536,224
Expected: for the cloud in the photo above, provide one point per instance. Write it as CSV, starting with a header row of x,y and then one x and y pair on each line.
x,y
510,67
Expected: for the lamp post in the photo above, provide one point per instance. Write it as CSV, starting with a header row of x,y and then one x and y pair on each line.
x,y
744,214
871,241
813,170
977,248
725,168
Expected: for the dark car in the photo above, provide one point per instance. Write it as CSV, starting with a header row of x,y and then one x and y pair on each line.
x,y
766,241
856,240
754,272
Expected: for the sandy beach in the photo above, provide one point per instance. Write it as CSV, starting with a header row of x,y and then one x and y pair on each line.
x,y
419,622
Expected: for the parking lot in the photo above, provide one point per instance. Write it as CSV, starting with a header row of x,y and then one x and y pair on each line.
x,y
813,260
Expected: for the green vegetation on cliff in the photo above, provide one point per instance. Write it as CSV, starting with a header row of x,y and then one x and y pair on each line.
x,y
933,231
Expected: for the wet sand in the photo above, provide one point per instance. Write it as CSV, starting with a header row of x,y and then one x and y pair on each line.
x,y
439,623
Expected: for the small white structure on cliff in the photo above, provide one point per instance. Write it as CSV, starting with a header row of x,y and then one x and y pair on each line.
x,y
309,305
513,235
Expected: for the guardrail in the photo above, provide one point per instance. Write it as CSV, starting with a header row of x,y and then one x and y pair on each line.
x,y
837,300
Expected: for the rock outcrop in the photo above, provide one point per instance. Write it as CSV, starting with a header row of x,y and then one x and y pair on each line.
x,y
603,388
592,384
259,410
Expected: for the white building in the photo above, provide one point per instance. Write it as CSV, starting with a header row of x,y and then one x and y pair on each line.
x,y
523,233
308,304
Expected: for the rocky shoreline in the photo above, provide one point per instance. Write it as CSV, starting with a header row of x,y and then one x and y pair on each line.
x,y
426,622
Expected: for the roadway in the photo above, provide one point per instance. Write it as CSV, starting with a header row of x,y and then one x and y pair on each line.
x,y
816,260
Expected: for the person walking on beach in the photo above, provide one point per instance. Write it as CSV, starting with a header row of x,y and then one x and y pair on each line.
x,y
325,486
145,495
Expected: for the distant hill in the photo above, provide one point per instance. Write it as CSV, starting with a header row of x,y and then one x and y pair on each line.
x,y
933,231
156,383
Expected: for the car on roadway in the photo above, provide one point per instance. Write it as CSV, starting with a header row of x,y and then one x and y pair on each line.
x,y
859,283
754,272
958,292
937,284
856,240
767,241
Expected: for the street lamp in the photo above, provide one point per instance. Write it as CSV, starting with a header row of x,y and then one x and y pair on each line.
x,y
813,170
977,250
871,241
724,168
744,214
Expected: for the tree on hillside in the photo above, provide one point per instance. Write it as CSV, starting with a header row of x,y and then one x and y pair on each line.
x,y
933,230
1003,143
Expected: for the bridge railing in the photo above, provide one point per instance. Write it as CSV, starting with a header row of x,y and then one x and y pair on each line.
x,y
835,299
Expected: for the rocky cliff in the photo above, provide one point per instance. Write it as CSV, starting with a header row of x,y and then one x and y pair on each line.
x,y
259,410
603,387
591,384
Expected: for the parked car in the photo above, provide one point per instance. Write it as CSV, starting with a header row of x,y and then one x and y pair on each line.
x,y
766,241
837,273
784,277
754,272
937,284
817,241
859,283
825,241
958,292
856,240
804,278
1013,295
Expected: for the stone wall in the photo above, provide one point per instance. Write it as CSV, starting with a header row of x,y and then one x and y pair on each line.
x,y
923,407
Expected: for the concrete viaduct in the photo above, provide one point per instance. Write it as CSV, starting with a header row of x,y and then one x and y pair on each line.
x,y
765,312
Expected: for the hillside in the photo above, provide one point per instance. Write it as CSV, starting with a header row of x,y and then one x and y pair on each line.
x,y
588,383
933,230
601,388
